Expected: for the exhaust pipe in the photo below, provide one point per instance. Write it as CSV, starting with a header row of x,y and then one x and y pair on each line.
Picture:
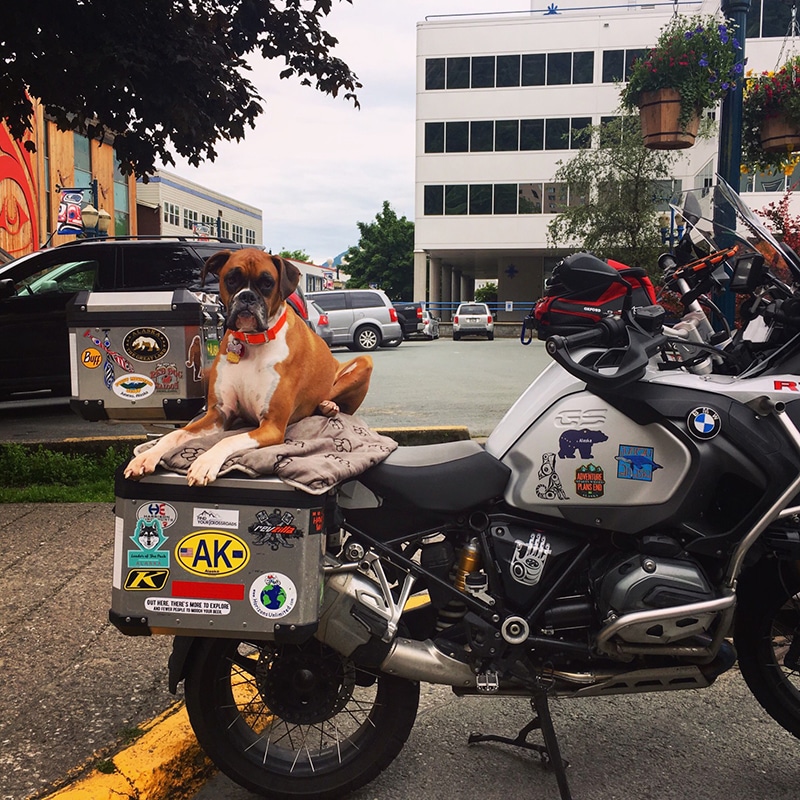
x,y
423,661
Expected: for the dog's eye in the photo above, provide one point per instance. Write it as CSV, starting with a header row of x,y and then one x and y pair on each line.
x,y
265,284
234,279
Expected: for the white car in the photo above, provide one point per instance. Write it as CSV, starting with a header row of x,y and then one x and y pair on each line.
x,y
473,319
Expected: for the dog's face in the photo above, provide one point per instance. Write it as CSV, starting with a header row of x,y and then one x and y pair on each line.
x,y
253,285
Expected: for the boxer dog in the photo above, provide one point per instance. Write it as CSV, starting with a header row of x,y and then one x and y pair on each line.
x,y
271,370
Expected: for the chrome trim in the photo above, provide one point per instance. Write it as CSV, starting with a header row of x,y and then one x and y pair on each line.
x,y
423,661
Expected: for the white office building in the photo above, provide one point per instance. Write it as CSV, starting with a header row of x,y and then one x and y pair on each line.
x,y
496,93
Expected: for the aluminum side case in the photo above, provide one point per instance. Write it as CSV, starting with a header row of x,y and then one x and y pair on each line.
x,y
141,356
241,557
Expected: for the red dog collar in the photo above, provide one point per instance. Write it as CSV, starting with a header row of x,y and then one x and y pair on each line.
x,y
263,336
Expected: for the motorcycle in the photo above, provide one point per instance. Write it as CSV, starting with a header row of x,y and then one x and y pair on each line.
x,y
631,525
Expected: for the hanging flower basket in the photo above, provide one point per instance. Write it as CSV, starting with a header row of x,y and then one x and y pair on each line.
x,y
695,58
660,119
771,119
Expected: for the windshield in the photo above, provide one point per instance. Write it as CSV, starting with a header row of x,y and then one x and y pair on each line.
x,y
717,218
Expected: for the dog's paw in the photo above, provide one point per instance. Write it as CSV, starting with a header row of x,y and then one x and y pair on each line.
x,y
141,465
203,471
328,408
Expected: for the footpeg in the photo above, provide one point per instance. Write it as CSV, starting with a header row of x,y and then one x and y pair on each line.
x,y
488,682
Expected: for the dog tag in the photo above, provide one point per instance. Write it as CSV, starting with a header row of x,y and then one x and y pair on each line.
x,y
234,350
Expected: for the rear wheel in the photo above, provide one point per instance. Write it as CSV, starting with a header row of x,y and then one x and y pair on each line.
x,y
456,337
767,637
490,336
295,721
367,338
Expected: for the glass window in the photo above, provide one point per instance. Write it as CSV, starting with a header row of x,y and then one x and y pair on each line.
x,y
631,56
146,267
613,65
580,137
506,132
481,136
754,20
434,73
62,278
533,69
556,134
189,218
457,137
83,153
531,134
559,69
434,137
455,199
331,301
530,198
480,198
458,72
225,229
507,71
172,214
122,216
777,17
583,67
365,300
482,72
505,198
555,198
434,200
238,233
249,236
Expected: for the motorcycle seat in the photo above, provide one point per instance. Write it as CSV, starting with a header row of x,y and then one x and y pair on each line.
x,y
446,477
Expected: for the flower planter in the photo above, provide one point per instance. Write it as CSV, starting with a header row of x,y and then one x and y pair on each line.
x,y
659,112
779,136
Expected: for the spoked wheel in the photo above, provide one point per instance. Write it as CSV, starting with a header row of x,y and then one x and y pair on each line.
x,y
292,721
767,639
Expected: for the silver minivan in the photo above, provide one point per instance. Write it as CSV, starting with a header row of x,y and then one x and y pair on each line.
x,y
362,319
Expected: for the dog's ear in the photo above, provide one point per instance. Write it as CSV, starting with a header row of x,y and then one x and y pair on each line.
x,y
214,264
289,275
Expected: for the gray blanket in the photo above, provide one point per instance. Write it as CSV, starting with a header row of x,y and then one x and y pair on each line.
x,y
318,453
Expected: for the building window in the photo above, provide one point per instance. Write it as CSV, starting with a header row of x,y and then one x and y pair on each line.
x,y
530,198
434,73
189,219
480,198
556,134
483,72
508,70
455,199
83,165
617,63
458,72
434,137
583,67
122,207
533,70
456,137
580,137
481,136
531,134
555,198
225,229
172,214
237,233
506,133
433,201
559,69
505,198
249,236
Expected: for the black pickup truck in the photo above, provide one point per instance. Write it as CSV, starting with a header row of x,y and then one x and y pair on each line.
x,y
409,315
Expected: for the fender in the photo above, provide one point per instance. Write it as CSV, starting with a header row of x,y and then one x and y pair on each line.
x,y
182,647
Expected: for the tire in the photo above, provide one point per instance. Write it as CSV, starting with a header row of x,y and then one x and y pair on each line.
x,y
490,336
456,337
392,342
296,721
367,338
766,632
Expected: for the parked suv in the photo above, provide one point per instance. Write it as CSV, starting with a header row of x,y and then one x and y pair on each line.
x,y
36,289
473,319
362,319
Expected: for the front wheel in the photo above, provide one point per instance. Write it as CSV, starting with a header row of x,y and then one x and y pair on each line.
x,y
296,721
367,338
767,637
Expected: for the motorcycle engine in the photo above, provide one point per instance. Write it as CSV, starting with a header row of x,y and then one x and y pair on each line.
x,y
644,583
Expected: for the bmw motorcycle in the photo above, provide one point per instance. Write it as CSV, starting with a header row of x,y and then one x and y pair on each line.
x,y
631,525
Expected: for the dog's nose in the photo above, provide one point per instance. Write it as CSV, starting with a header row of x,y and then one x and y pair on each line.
x,y
246,296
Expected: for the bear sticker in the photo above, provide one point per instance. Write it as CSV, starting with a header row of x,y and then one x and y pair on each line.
x,y
580,441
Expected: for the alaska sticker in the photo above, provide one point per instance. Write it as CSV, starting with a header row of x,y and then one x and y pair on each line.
x,y
635,463
133,387
146,344
212,554
704,423
163,512
529,559
273,595
589,481
148,537
581,440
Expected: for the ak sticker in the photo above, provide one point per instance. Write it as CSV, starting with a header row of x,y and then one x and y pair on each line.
x,y
212,554
275,528
146,344
704,423
133,387
636,463
273,595
148,537
149,580
91,358
589,481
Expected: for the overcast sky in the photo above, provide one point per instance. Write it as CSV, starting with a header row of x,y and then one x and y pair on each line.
x,y
314,165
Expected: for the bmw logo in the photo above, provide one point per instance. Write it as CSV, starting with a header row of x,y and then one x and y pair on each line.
x,y
704,423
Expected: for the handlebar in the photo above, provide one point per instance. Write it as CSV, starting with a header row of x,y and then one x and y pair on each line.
x,y
636,346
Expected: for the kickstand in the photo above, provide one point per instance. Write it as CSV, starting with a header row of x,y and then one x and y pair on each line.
x,y
549,751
